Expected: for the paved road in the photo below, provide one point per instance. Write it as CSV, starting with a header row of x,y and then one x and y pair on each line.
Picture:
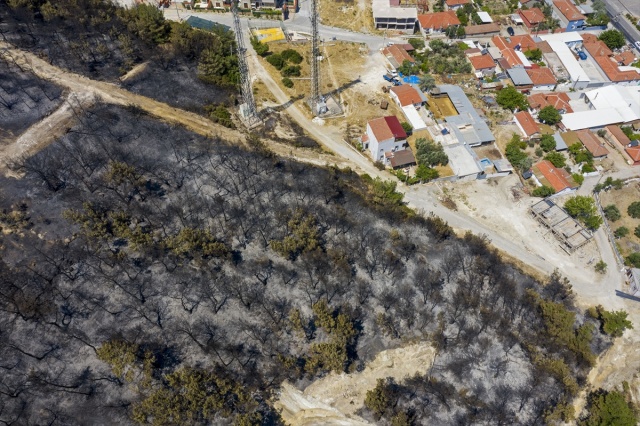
x,y
299,23
617,10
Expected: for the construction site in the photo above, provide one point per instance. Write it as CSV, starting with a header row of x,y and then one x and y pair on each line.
x,y
566,229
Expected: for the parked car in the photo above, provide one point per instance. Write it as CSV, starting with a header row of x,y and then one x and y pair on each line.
x,y
582,55
637,43
510,31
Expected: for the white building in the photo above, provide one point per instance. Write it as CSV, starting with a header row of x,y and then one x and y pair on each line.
x,y
388,14
607,105
384,134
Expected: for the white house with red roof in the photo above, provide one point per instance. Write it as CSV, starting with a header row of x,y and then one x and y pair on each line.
x,y
384,134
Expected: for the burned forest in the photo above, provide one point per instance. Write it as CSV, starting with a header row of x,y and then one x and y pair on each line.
x,y
151,275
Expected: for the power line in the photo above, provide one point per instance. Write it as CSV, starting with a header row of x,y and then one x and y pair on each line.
x,y
248,109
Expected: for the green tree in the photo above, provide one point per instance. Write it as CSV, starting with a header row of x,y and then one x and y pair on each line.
x,y
511,99
425,173
583,208
407,68
430,154
291,55
417,43
543,191
634,210
534,55
636,231
287,82
622,231
516,156
578,178
549,115
547,143
612,213
147,22
302,235
634,259
378,399
427,82
276,60
291,71
408,128
601,267
261,49
608,408
556,158
614,39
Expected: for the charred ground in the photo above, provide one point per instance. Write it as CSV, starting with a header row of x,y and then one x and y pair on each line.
x,y
143,264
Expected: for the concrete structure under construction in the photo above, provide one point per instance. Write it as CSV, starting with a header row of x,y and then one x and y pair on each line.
x,y
388,15
566,229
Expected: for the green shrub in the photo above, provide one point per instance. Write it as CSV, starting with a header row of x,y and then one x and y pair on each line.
x,y
287,82
276,60
221,115
291,71
578,178
608,408
543,191
622,231
547,143
292,56
634,210
634,259
636,232
556,158
612,213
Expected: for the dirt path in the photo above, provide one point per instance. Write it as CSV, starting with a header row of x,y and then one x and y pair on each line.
x,y
336,398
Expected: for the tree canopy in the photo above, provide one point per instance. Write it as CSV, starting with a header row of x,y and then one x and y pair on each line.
x,y
510,98
608,408
614,39
430,154
549,115
583,208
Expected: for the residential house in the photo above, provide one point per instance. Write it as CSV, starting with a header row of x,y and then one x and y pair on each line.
x,y
483,64
634,153
625,58
558,179
482,30
542,78
435,23
531,18
520,79
608,105
617,136
561,145
456,4
407,95
384,134
390,15
467,125
484,17
593,144
401,159
559,100
527,125
569,15
396,55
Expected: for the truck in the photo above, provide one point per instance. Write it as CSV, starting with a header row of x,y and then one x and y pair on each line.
x,y
391,79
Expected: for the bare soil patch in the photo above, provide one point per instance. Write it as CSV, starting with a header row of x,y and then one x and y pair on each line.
x,y
355,15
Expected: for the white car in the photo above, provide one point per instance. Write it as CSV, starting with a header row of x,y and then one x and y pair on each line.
x,y
637,43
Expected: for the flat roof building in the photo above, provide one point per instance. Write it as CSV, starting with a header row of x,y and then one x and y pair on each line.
x,y
388,16
468,126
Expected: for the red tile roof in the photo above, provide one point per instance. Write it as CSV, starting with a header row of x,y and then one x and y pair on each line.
x,y
612,71
511,57
407,95
625,58
541,76
597,48
525,41
591,142
452,3
482,62
634,153
398,53
384,128
569,10
617,133
531,17
559,100
557,178
438,20
527,123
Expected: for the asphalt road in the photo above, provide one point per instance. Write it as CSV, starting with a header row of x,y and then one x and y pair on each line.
x,y
299,23
617,9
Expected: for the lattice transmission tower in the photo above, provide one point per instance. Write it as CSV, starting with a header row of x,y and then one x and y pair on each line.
x,y
248,110
316,100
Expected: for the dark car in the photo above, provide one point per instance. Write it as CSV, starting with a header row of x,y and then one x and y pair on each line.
x,y
510,31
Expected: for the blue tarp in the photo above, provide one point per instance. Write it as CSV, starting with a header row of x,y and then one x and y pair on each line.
x,y
413,79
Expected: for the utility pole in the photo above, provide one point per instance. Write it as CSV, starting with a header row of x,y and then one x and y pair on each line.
x,y
248,111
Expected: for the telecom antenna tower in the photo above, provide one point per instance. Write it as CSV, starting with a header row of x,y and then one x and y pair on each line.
x,y
248,111
318,105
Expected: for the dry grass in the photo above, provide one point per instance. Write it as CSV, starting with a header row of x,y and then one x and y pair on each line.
x,y
441,107
622,198
355,15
